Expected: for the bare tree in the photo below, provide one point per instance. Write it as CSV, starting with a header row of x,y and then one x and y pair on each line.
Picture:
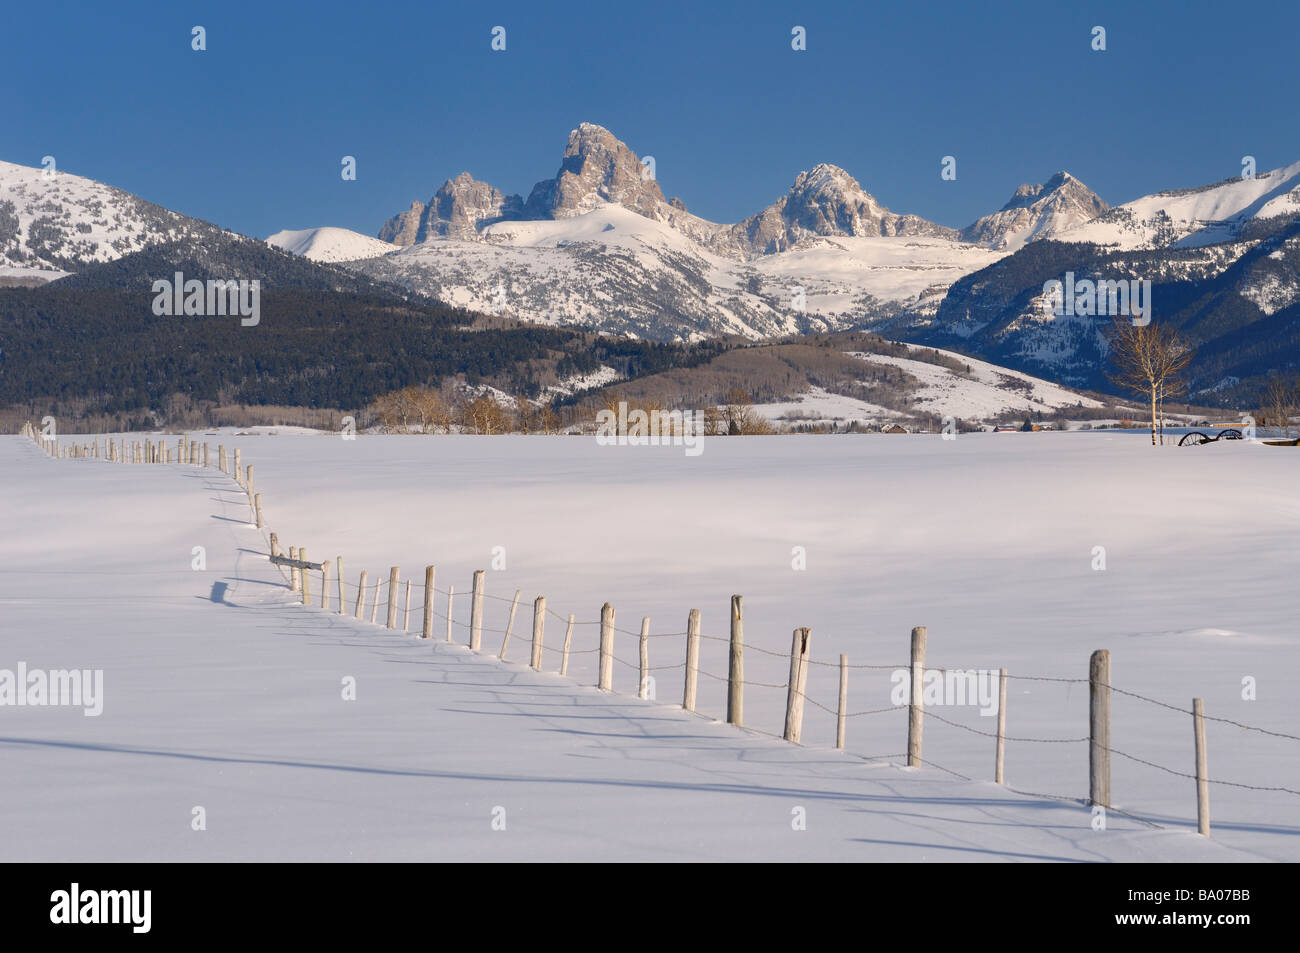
x,y
1151,360
1280,397
740,416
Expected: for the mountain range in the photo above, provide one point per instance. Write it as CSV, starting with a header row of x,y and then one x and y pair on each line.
x,y
598,246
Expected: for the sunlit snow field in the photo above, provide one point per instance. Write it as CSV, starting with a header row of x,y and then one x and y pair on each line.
x,y
220,691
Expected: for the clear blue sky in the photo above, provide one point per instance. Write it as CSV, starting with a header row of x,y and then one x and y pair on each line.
x,y
249,134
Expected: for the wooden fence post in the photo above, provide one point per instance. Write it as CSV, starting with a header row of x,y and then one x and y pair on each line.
x,y
916,703
451,596
239,475
248,485
406,612
325,584
206,464
343,602
736,670
1202,772
476,612
361,594
426,632
798,684
391,621
293,570
539,631
606,681
1099,728
842,714
510,624
275,545
692,659
1002,724
568,640
374,605
257,508
306,578
644,671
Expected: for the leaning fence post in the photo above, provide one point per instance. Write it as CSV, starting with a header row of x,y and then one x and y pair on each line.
x,y
539,631
374,606
606,681
391,621
1002,724
1099,728
476,612
798,684
1202,773
426,632
644,672
842,715
736,670
510,624
916,703
568,640
692,659
361,593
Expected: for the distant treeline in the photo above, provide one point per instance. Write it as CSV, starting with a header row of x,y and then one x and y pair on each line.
x,y
87,353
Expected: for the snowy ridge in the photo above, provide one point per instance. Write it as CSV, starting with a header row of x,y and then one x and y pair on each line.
x,y
64,221
1193,217
330,244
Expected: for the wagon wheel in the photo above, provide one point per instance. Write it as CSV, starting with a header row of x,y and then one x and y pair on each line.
x,y
1230,434
1195,439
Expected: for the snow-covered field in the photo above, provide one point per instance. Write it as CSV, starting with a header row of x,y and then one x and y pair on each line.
x,y
221,693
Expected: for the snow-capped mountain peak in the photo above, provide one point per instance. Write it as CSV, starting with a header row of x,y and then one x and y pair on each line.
x,y
1037,211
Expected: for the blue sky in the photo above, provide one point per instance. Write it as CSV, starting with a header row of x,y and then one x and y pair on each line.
x,y
249,134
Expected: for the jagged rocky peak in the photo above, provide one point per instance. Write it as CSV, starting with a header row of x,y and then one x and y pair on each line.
x,y
827,201
459,208
597,167
1037,211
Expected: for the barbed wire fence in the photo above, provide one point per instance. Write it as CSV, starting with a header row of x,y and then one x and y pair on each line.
x,y
914,688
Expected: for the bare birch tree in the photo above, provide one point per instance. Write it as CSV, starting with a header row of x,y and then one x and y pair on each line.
x,y
1151,360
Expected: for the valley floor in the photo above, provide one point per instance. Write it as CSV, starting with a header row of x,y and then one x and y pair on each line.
x,y
222,693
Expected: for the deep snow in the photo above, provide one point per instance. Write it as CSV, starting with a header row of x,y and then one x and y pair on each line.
x,y
221,693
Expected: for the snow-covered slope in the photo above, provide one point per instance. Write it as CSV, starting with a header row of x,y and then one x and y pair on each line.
x,y
614,269
330,244
64,221
1193,217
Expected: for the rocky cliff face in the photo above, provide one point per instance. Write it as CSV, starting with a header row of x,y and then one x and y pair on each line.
x,y
826,201
1037,211
597,168
458,209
